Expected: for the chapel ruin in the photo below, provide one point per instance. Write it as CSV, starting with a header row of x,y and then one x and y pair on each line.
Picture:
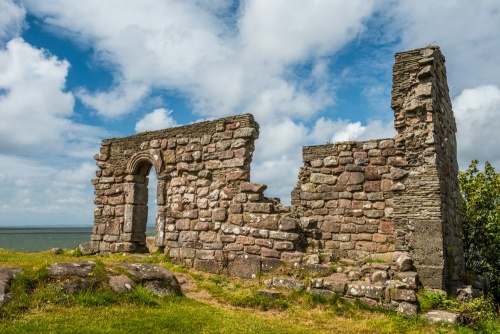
x,y
388,206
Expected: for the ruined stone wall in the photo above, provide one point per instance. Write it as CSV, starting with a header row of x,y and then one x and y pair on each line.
x,y
209,214
427,213
394,200
345,191
371,199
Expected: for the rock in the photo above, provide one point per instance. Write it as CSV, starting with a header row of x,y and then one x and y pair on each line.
x,y
71,269
311,259
467,294
6,276
57,251
90,247
408,277
121,283
441,316
156,279
288,283
247,266
354,275
322,292
403,295
379,276
317,269
407,309
268,293
404,263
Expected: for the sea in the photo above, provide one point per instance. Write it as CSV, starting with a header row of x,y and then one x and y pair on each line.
x,y
39,239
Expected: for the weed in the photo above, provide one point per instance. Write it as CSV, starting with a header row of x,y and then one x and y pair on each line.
x,y
478,309
139,295
433,299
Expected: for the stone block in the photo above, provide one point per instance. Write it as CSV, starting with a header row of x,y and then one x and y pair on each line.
x,y
252,187
219,214
261,220
318,178
283,245
183,224
245,133
371,186
252,249
88,248
227,238
403,295
246,266
264,243
135,218
186,236
269,264
288,283
244,240
136,193
258,207
288,224
209,266
272,253
283,235
408,277
233,247
204,254
294,258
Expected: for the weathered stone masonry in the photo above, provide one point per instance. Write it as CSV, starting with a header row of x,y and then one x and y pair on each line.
x,y
392,199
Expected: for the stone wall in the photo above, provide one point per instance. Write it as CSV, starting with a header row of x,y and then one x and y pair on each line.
x,y
346,194
394,200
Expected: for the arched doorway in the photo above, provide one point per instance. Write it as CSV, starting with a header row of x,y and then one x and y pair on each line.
x,y
141,205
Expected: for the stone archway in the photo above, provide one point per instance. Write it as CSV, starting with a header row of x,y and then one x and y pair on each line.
x,y
136,199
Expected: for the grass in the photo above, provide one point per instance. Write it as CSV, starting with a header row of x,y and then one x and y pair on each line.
x,y
234,306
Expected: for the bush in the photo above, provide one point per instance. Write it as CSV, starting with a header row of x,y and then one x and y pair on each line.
x,y
480,194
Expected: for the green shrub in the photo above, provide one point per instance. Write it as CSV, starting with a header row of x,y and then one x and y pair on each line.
x,y
433,299
478,309
480,195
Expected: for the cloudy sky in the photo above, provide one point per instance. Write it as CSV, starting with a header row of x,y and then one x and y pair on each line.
x,y
74,72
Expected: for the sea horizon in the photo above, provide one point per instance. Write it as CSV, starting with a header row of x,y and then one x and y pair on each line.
x,y
41,238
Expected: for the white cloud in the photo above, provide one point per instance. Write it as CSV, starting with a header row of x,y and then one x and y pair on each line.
x,y
156,120
35,108
467,31
116,102
468,34
44,155
477,113
330,131
34,190
11,20
222,64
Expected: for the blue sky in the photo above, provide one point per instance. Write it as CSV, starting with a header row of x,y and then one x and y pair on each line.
x,y
74,72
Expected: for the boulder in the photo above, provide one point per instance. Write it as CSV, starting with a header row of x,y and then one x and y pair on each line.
x,y
441,316
71,269
121,283
156,279
6,276
288,283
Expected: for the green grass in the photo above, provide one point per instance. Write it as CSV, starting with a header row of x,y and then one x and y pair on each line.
x,y
234,306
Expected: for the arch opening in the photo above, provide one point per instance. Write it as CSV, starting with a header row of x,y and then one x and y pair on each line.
x,y
141,206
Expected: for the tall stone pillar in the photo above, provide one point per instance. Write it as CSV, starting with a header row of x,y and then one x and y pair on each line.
x,y
427,211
